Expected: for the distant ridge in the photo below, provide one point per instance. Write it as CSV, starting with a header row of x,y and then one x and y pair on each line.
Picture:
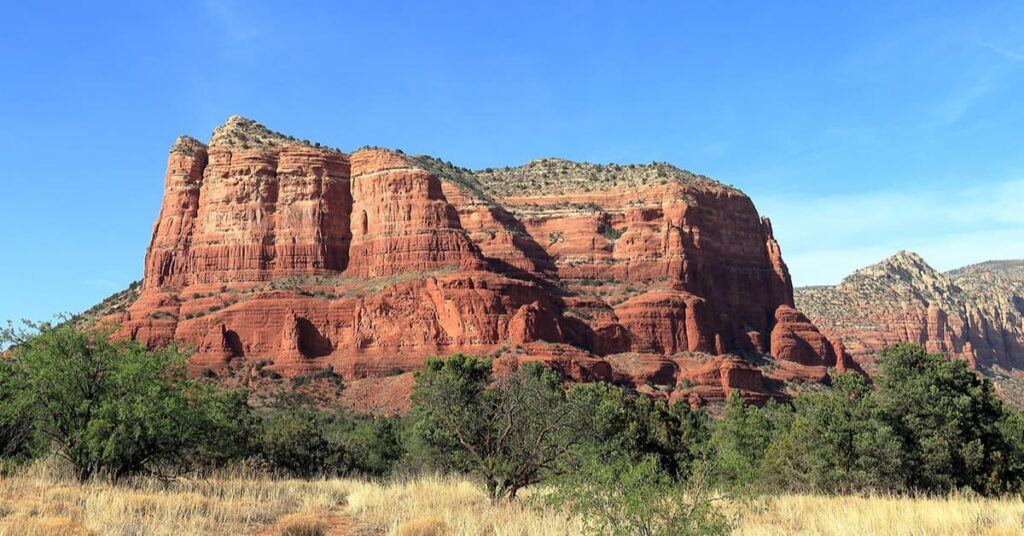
x,y
975,312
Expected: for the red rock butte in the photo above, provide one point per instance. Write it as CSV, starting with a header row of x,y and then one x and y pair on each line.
x,y
276,250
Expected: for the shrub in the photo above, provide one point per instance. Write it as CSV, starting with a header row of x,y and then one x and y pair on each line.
x,y
623,424
612,233
947,418
225,427
741,438
931,425
373,445
837,444
620,497
113,407
298,443
326,373
163,315
268,373
512,434
305,442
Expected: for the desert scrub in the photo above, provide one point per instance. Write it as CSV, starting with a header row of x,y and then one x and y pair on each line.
x,y
164,315
548,176
612,233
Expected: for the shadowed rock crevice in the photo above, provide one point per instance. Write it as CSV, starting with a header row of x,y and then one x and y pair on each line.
x,y
312,343
233,344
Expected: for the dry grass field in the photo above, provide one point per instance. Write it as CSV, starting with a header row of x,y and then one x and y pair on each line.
x,y
849,516
38,502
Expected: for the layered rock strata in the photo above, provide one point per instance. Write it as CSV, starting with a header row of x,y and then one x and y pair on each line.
x,y
974,313
274,250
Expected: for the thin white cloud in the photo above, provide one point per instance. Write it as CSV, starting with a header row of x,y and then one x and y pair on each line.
x,y
824,238
230,17
1005,53
952,109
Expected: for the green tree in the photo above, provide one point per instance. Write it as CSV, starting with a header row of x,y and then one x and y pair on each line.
x,y
512,433
373,445
111,406
1012,429
17,440
299,442
837,443
453,385
305,441
742,437
947,418
224,426
624,425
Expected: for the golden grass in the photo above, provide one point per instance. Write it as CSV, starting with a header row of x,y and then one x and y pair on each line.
x,y
304,524
437,505
883,515
424,526
410,508
38,502
44,526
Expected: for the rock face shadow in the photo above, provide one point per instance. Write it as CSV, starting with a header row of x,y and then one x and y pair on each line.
x,y
233,343
312,343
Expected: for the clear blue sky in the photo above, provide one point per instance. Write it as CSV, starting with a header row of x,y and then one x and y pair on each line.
x,y
860,129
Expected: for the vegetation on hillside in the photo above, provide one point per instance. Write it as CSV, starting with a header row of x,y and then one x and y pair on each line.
x,y
613,460
549,176
116,303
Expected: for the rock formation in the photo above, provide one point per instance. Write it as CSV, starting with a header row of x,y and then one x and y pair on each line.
x,y
269,249
974,313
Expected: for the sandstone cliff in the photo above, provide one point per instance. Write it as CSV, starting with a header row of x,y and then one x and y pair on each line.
x,y
268,249
974,313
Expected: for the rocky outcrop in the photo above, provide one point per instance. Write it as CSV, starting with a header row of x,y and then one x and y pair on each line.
x,y
401,220
666,322
280,252
251,206
974,313
796,339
